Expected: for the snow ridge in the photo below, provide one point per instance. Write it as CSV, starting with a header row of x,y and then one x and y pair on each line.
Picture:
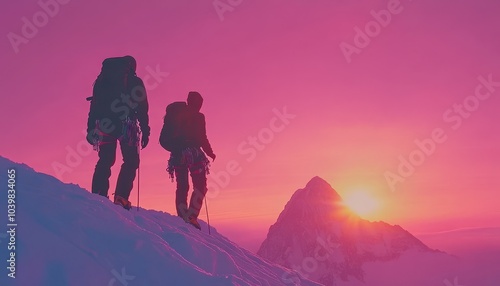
x,y
68,236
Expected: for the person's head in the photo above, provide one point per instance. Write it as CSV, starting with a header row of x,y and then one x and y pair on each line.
x,y
194,100
132,63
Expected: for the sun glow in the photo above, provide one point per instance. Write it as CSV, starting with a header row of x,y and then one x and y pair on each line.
x,y
361,202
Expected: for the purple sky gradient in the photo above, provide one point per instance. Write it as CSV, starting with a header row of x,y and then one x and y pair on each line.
x,y
353,120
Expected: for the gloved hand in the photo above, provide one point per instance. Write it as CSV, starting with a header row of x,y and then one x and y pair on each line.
x,y
90,136
212,155
144,141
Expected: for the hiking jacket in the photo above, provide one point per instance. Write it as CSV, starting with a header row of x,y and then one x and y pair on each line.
x,y
195,133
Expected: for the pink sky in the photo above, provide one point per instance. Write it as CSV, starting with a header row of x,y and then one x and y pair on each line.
x,y
352,120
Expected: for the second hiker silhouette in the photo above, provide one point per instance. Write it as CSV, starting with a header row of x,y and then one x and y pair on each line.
x,y
119,106
184,135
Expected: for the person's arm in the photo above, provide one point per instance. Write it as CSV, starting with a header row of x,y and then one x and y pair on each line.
x,y
93,116
92,113
205,144
140,96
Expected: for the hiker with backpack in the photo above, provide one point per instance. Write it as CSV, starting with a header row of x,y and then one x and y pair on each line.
x,y
118,114
184,135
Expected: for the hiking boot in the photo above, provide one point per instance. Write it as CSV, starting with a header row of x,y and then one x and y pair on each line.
x,y
194,222
123,202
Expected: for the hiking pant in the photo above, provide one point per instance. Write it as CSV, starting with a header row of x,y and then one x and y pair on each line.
x,y
107,157
199,190
190,160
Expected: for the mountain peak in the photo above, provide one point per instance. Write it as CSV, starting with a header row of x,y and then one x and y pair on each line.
x,y
318,188
317,201
315,216
318,182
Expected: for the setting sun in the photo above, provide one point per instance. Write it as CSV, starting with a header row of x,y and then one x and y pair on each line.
x,y
361,202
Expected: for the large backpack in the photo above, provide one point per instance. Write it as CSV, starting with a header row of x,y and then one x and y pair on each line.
x,y
116,72
115,79
172,135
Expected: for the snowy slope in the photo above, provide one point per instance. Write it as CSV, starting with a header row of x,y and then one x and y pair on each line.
x,y
67,236
316,235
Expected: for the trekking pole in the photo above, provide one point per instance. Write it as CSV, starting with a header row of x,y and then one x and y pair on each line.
x,y
208,219
138,175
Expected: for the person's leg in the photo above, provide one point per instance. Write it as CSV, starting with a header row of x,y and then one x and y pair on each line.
x,y
128,170
102,172
181,193
199,178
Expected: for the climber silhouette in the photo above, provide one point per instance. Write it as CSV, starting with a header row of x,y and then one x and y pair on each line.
x,y
119,107
184,135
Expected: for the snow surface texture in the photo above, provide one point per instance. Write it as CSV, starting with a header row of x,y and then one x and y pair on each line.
x,y
318,237
68,236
